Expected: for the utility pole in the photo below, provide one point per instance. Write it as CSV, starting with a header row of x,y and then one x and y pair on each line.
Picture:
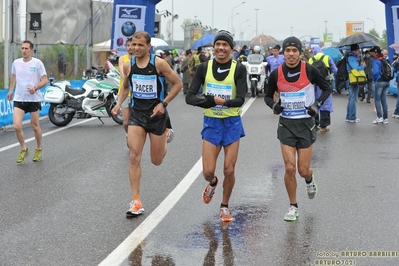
x,y
256,9
325,22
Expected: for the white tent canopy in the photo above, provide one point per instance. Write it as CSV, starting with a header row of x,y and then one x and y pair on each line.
x,y
106,46
102,46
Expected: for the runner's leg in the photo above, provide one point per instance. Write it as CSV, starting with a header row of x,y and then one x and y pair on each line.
x,y
18,116
289,157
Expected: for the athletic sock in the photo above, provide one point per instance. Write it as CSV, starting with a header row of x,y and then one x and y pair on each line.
x,y
224,205
295,205
136,197
308,182
214,182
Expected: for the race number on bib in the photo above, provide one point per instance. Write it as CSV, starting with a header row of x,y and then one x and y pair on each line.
x,y
293,103
144,87
220,90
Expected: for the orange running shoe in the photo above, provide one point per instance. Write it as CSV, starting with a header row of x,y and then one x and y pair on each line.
x,y
209,190
136,208
225,215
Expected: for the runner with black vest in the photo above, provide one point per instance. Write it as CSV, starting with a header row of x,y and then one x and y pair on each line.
x,y
295,81
224,86
145,77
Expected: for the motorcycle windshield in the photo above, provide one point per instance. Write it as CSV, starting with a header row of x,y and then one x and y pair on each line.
x,y
111,67
255,59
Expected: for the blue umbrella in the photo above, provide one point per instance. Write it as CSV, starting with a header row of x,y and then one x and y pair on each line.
x,y
205,40
334,53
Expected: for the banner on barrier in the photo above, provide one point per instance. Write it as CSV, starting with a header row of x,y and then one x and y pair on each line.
x,y
7,107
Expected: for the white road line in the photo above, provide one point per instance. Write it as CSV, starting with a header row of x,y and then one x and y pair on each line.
x,y
121,253
45,134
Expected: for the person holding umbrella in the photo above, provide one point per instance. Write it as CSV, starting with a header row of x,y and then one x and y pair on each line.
x,y
368,59
353,63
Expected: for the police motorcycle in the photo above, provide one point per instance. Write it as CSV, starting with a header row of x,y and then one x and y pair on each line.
x,y
96,98
256,73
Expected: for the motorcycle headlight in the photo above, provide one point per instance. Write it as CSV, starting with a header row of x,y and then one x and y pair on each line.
x,y
254,69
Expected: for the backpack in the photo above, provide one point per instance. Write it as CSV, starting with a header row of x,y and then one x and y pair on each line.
x,y
323,69
386,70
342,73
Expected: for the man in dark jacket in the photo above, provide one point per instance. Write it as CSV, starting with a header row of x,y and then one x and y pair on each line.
x,y
185,69
368,59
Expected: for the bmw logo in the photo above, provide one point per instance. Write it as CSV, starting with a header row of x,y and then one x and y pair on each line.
x,y
128,29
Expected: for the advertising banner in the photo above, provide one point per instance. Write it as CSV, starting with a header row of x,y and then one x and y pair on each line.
x,y
353,27
197,33
314,41
327,39
127,20
395,18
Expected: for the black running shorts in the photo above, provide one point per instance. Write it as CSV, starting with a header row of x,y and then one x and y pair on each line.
x,y
28,107
155,125
298,133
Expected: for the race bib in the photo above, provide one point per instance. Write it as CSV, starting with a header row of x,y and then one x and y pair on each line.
x,y
144,87
220,90
293,103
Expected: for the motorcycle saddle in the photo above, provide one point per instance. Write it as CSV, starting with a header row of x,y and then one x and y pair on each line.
x,y
74,91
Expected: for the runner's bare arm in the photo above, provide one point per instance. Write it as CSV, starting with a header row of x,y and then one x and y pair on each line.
x,y
121,63
164,69
42,83
125,84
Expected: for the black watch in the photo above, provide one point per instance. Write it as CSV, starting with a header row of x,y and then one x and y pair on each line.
x,y
164,104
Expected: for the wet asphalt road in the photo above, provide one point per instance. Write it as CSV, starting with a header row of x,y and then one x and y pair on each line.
x,y
69,208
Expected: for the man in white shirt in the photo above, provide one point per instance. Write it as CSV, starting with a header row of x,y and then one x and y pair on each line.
x,y
28,76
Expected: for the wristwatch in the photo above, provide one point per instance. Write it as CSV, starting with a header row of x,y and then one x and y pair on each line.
x,y
164,104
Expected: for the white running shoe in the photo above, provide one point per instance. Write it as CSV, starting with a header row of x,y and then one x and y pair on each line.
x,y
292,214
379,120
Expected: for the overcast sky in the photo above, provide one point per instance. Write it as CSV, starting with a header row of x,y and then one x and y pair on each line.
x,y
276,17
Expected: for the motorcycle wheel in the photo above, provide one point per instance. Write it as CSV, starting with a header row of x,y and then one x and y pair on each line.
x,y
58,119
117,118
253,88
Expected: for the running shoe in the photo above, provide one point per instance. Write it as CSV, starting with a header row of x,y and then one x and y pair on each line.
x,y
324,129
379,120
209,190
136,208
22,155
357,120
385,121
311,188
38,155
169,135
225,215
395,116
292,214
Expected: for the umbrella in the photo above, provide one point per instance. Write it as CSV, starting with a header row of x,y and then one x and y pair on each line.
x,y
357,38
334,53
362,45
395,46
158,42
205,40
263,39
